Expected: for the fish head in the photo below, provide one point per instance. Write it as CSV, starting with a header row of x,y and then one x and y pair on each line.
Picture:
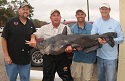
x,y
54,46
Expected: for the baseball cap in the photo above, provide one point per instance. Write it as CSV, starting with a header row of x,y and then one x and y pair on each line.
x,y
54,10
105,5
80,10
25,4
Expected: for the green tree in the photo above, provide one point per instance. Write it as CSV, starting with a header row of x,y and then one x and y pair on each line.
x,y
9,10
38,23
4,10
2,2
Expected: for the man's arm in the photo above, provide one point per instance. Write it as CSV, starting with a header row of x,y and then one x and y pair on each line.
x,y
5,50
32,41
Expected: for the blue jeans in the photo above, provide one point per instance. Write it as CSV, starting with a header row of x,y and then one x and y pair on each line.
x,y
106,69
13,70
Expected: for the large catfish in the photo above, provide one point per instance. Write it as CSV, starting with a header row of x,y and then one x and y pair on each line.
x,y
57,44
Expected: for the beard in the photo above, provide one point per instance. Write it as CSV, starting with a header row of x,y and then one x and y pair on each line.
x,y
25,15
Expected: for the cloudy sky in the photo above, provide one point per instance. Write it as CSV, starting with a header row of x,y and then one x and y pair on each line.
x,y
42,8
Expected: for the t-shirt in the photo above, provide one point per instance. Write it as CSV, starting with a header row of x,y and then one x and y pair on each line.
x,y
16,34
81,56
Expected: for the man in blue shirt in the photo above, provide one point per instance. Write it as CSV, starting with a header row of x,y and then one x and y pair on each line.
x,y
82,65
106,55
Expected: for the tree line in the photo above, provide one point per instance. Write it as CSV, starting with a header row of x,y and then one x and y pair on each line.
x,y
9,10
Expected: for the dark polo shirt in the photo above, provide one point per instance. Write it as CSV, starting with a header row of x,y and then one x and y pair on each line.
x,y
16,33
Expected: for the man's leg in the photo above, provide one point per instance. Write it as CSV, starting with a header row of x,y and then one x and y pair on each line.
x,y
12,71
111,66
63,68
101,69
76,71
49,68
24,72
87,70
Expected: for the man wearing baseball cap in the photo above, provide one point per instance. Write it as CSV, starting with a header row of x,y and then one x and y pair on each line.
x,y
82,64
25,4
16,52
80,10
53,63
105,5
107,56
55,10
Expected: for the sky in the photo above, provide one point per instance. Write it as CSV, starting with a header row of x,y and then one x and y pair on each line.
x,y
42,8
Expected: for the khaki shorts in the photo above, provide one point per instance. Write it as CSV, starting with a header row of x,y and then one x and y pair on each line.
x,y
81,71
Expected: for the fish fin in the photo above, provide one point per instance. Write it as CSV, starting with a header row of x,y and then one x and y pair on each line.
x,y
109,38
64,31
110,41
96,34
93,48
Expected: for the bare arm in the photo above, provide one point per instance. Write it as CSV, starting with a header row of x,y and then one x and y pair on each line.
x,y
32,41
5,50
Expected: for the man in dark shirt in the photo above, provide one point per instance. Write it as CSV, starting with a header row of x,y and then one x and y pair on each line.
x,y
14,36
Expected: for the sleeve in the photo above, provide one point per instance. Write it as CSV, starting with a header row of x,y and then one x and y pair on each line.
x,y
39,32
94,29
34,28
120,36
73,28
